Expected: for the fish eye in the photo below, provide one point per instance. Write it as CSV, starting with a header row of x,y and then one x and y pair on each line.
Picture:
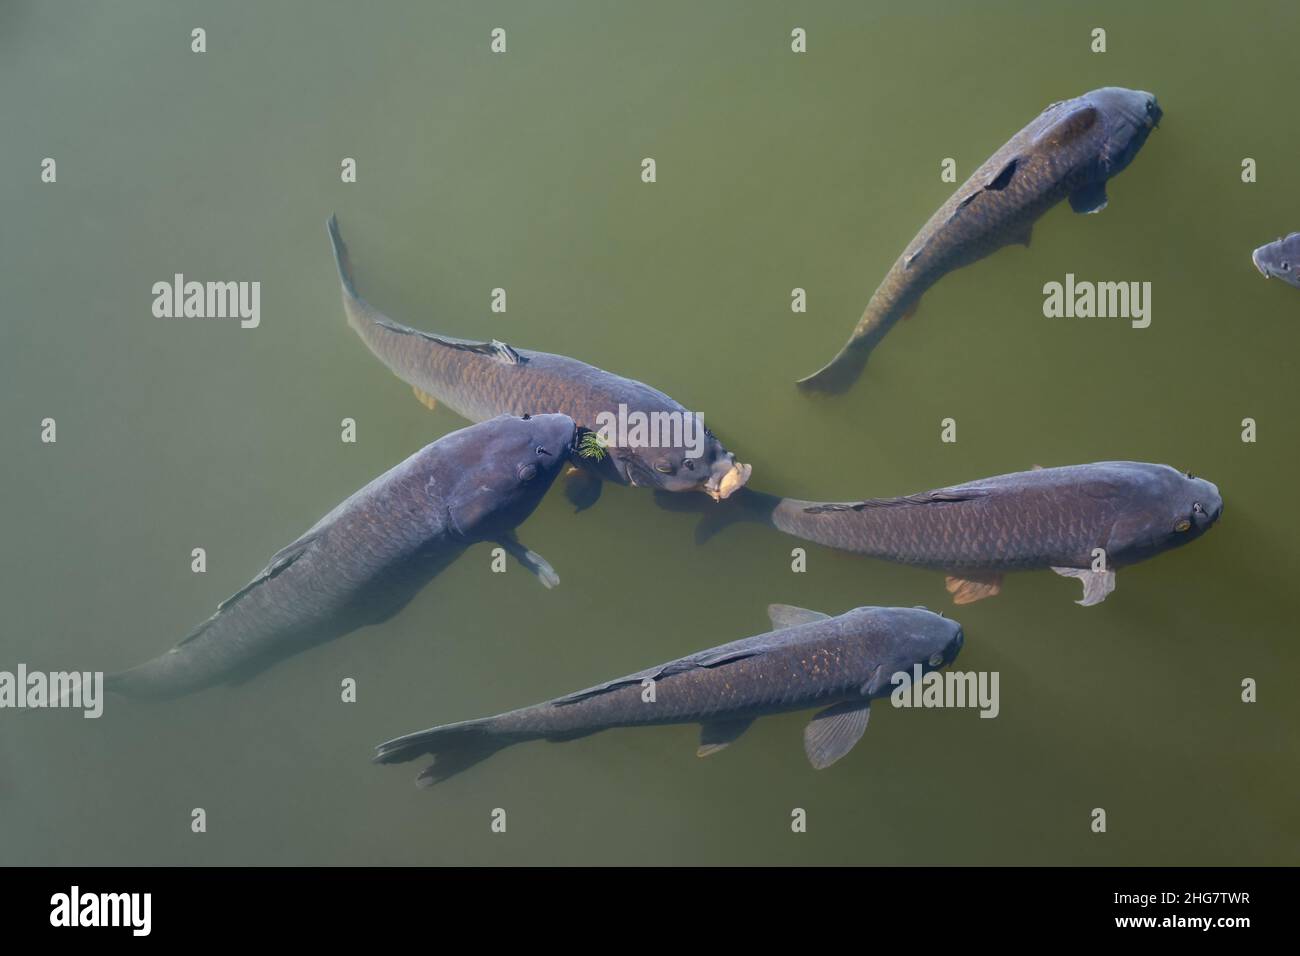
x,y
1151,105
936,659
1183,525
690,464
1286,267
542,451
527,472
664,467
1197,509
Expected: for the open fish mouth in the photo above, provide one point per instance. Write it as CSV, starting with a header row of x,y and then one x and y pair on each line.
x,y
735,477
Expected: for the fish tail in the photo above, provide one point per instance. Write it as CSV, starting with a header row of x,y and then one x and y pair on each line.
x,y
362,316
186,668
839,374
341,259
454,747
885,308
744,505
157,679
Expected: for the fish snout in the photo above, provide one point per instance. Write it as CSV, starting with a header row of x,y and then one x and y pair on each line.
x,y
1154,114
1208,505
1214,507
728,476
1258,258
956,644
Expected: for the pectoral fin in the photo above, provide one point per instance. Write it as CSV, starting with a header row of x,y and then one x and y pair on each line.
x,y
1070,126
1096,584
425,399
582,488
833,732
1089,198
720,734
787,615
973,587
531,560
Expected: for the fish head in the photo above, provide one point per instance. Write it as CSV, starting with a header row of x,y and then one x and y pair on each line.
x,y
905,638
704,465
1128,117
1280,260
1173,508
507,465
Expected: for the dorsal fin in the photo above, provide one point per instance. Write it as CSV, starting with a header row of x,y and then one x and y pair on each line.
x,y
713,658
278,563
495,349
938,496
999,181
787,615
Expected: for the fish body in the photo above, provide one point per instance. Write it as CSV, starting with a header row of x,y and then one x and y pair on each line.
x,y
1053,518
365,560
1068,152
479,380
1280,260
809,660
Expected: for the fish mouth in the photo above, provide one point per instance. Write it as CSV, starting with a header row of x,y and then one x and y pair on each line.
x,y
723,485
1263,270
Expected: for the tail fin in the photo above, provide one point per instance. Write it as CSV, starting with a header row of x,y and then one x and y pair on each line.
x,y
362,316
341,260
743,505
837,375
455,747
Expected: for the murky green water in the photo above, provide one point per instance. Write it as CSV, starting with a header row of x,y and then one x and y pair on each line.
x,y
775,170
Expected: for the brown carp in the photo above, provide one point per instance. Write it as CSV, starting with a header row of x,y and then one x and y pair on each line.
x,y
1081,521
1069,151
809,659
365,560
672,451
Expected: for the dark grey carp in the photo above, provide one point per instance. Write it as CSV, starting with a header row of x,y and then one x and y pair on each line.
x,y
1057,518
809,660
478,380
364,561
1069,151
1280,260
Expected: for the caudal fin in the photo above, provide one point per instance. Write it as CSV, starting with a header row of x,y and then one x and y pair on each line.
x,y
839,373
454,747
341,259
362,316
744,505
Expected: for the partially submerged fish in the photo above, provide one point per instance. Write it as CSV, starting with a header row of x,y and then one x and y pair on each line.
x,y
1069,151
366,559
1053,518
809,660
478,380
1280,260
